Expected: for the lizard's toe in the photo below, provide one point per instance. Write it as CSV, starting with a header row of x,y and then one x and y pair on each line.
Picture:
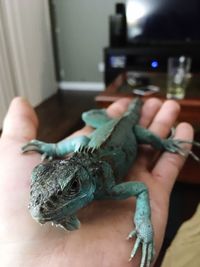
x,y
144,238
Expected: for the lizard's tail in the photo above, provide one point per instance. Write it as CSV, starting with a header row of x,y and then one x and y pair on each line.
x,y
134,110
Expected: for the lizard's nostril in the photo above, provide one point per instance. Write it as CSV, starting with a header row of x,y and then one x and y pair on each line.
x,y
49,204
59,192
41,209
54,198
37,201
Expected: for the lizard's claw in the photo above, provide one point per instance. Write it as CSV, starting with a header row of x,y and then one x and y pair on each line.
x,y
144,237
47,150
46,157
175,146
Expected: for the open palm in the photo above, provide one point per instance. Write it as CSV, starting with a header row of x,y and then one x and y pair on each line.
x,y
101,240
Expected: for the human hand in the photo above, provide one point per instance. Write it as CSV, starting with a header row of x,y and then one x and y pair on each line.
x,y
102,238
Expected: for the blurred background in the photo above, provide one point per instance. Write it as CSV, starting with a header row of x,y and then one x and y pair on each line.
x,y
64,44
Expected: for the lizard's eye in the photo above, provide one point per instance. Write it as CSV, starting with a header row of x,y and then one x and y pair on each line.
x,y
73,188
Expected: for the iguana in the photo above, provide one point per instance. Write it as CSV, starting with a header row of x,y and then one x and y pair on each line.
x,y
94,169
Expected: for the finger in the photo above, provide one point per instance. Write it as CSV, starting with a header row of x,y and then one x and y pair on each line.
x,y
165,118
21,121
160,125
149,110
169,165
117,108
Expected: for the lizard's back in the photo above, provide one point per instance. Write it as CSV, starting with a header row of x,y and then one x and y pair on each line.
x,y
115,141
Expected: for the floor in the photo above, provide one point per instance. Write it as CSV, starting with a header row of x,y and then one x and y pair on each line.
x,y
60,115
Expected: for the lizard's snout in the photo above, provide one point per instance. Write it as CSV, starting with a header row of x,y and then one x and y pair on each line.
x,y
37,213
40,214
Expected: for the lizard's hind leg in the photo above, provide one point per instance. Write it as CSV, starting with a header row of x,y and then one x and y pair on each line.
x,y
144,136
95,117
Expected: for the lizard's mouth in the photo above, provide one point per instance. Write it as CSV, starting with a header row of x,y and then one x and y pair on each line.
x,y
49,216
58,214
39,214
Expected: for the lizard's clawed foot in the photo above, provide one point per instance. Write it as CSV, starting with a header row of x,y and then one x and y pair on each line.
x,y
144,237
47,150
175,146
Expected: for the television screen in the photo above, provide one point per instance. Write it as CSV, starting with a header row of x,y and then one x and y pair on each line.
x,y
163,20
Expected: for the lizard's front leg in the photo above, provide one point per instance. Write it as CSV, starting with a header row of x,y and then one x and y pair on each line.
x,y
60,149
143,227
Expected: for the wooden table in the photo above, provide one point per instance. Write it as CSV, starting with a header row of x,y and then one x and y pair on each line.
x,y
190,111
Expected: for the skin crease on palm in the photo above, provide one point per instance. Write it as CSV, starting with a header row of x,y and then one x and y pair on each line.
x,y
105,225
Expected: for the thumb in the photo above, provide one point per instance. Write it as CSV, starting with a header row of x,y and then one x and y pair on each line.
x,y
21,122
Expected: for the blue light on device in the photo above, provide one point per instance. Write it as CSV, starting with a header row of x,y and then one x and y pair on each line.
x,y
154,64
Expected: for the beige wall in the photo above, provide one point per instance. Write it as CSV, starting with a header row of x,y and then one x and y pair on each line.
x,y
82,30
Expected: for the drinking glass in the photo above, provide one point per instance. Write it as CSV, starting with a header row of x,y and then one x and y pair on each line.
x,y
178,76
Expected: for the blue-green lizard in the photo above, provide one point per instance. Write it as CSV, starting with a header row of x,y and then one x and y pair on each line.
x,y
94,169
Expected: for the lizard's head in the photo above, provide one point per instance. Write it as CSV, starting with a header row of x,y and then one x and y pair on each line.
x,y
58,189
